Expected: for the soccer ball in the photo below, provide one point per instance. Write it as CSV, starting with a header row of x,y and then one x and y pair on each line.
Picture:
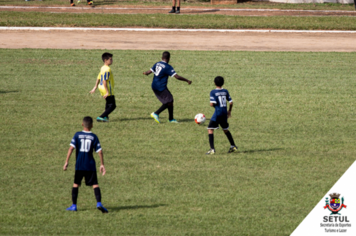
x,y
199,119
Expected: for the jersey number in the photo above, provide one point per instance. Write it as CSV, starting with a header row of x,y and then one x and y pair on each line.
x,y
222,100
85,145
158,70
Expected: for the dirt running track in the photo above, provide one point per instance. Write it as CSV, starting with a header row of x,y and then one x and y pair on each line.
x,y
316,42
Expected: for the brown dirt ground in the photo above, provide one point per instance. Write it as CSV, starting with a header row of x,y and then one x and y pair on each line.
x,y
191,10
316,42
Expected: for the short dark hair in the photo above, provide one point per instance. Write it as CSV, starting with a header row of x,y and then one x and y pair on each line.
x,y
166,55
87,122
219,81
106,56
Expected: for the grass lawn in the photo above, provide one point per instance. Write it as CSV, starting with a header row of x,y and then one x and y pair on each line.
x,y
206,3
293,120
40,19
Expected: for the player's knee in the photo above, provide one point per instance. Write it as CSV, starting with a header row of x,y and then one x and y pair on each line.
x,y
95,186
75,185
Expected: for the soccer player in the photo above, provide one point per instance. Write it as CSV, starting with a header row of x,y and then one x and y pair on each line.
x,y
161,72
106,84
85,142
218,98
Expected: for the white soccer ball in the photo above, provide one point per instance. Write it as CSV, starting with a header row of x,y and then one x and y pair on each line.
x,y
199,118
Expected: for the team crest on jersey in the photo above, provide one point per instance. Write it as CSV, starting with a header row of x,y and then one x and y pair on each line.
x,y
335,204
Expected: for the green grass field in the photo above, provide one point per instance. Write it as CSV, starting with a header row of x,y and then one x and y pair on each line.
x,y
190,3
293,120
40,19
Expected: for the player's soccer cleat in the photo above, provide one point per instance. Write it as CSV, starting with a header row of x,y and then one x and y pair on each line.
x,y
210,152
173,121
178,12
100,119
72,5
90,3
232,149
172,11
101,207
155,116
78,1
72,208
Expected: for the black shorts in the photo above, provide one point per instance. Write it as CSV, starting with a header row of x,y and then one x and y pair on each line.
x,y
90,177
164,96
215,124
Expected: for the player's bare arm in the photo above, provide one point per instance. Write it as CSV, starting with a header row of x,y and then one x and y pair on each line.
x,y
102,167
147,72
95,87
230,108
178,77
106,89
70,150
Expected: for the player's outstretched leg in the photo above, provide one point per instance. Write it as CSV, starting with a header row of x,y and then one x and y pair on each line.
x,y
155,115
211,142
233,147
99,205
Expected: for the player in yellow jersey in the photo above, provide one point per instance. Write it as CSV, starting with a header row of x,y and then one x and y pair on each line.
x,y
105,81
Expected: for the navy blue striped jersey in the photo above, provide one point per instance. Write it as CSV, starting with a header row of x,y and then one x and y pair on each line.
x,y
161,72
85,142
219,98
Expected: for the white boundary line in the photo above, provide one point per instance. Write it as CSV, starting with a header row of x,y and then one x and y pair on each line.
x,y
176,30
190,9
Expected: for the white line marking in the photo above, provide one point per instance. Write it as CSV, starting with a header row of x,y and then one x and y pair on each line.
x,y
189,9
176,30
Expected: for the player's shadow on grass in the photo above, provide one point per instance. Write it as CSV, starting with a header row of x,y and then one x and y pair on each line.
x,y
105,2
12,91
204,11
261,150
128,119
187,120
135,207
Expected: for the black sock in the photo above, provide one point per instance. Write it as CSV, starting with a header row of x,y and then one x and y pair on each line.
x,y
162,108
229,136
97,194
211,141
178,8
74,195
170,111
71,1
173,8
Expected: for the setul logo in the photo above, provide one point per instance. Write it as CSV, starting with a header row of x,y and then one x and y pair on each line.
x,y
334,206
